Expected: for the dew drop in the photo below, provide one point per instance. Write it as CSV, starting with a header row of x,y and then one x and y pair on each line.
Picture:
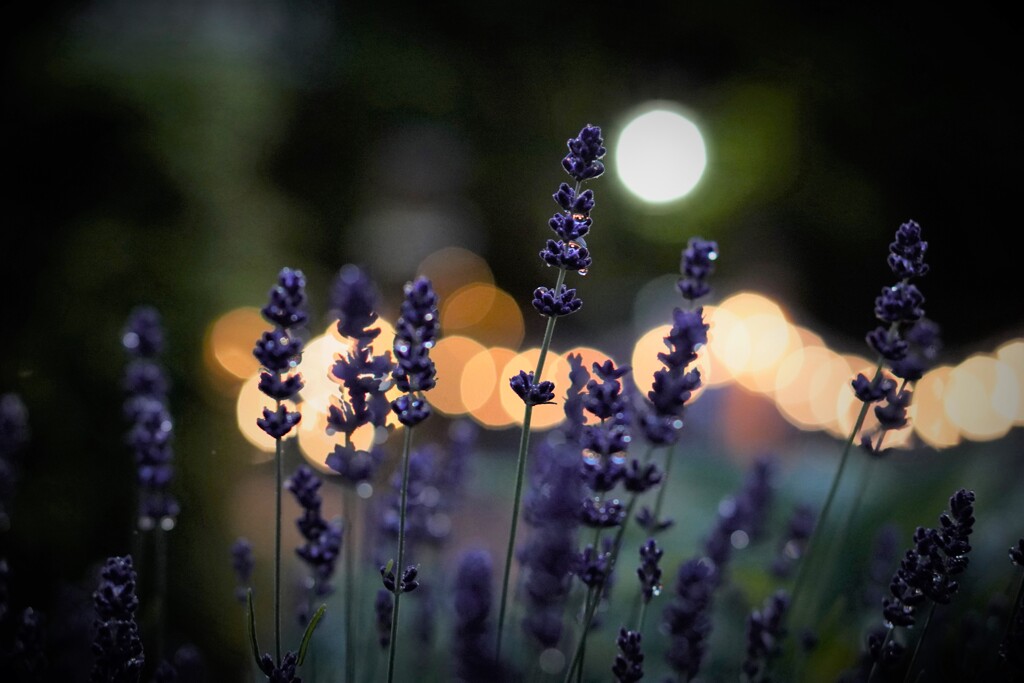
x,y
167,523
712,256
582,272
364,490
656,590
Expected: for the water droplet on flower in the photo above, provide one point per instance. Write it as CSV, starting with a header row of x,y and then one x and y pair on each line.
x,y
712,256
582,272
364,490
677,424
402,348
167,523
428,345
428,317
579,217
130,340
618,458
590,456
656,590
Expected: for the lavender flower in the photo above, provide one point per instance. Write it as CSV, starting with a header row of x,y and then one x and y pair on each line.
x,y
764,631
744,512
629,662
471,641
152,430
285,672
697,264
243,563
674,384
117,647
365,376
649,571
280,349
531,393
415,334
322,538
687,617
928,569
546,559
14,435
901,304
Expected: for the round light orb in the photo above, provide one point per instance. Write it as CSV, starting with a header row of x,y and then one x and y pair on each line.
x,y
660,155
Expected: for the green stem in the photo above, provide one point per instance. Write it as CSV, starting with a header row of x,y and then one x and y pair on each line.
x,y
399,568
917,647
593,597
349,550
161,589
829,499
279,468
664,485
881,653
524,446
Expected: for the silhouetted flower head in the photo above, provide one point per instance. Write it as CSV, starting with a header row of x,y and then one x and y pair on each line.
x,y
697,264
798,530
243,563
649,571
531,393
353,299
116,645
923,346
415,334
629,662
285,672
287,300
152,429
906,252
143,335
592,566
322,537
585,151
765,630
550,303
686,618
471,640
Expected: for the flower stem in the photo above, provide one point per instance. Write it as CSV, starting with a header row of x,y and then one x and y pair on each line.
x,y
664,485
524,446
399,568
279,468
349,550
881,653
917,647
830,498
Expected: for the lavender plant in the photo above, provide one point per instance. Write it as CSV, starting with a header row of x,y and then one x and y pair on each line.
x,y
900,308
364,376
568,252
279,352
117,647
414,373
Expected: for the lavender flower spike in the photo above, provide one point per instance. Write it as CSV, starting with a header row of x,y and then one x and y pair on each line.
x,y
473,601
415,334
117,646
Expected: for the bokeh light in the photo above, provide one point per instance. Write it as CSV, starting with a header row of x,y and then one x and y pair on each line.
x,y
482,386
453,267
451,356
484,312
982,398
928,409
229,342
660,155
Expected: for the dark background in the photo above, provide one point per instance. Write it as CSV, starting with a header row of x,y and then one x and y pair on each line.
x,y
180,154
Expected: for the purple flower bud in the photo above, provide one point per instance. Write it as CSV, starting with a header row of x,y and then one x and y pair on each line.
x,y
568,255
585,150
279,422
649,572
629,662
532,394
551,304
697,264
117,646
410,410
143,335
287,300
868,392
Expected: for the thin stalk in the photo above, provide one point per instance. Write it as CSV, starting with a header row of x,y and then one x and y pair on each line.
x,y
1018,604
399,568
881,651
524,446
830,498
349,550
664,485
917,648
643,616
279,468
593,597
161,589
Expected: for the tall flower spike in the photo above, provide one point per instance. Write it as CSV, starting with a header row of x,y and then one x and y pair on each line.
x,y
117,647
415,334
152,429
568,252
279,352
472,633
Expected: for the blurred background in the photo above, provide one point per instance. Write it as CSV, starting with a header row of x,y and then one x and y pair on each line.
x,y
180,154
